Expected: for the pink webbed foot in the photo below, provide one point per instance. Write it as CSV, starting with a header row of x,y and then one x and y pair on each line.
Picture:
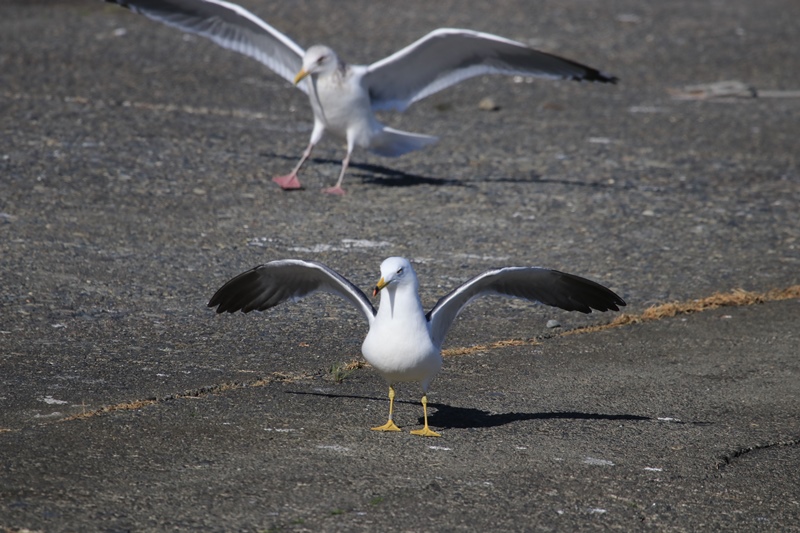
x,y
288,182
337,191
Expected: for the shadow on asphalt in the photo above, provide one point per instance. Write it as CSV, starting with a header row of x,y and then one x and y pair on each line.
x,y
465,417
446,416
377,174
390,177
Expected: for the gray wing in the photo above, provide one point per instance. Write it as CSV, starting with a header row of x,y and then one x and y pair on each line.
x,y
448,56
228,25
275,282
550,287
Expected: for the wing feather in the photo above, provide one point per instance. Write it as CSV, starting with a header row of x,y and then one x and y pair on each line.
x,y
273,283
228,25
549,287
448,56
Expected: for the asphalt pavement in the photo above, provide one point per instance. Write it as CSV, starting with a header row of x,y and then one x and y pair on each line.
x,y
135,179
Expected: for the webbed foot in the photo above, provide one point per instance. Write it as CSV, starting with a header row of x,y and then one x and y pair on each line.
x,y
288,182
425,432
388,426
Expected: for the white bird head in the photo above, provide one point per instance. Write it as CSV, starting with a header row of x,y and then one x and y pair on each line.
x,y
395,271
317,60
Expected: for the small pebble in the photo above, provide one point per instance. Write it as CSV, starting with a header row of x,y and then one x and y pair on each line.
x,y
629,18
553,324
488,104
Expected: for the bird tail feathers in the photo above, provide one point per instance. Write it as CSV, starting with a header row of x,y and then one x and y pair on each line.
x,y
392,143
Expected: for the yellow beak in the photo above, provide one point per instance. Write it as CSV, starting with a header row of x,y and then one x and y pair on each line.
x,y
300,75
381,284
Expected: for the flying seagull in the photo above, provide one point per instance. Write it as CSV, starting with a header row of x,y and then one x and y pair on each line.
x,y
404,343
344,97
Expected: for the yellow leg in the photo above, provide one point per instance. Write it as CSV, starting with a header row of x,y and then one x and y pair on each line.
x,y
389,426
426,431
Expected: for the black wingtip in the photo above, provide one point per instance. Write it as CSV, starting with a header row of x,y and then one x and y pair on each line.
x,y
215,302
616,302
588,295
225,299
612,302
225,302
598,77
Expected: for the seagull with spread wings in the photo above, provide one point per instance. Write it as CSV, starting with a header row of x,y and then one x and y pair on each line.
x,y
344,97
404,343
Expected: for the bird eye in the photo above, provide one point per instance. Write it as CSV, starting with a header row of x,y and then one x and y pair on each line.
x,y
321,59
399,270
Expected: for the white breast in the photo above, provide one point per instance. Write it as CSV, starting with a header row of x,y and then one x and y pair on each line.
x,y
399,344
344,107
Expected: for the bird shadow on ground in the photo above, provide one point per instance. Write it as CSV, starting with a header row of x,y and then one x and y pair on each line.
x,y
388,177
397,178
378,174
449,417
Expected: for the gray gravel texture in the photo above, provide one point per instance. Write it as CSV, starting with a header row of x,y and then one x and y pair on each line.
x,y
135,167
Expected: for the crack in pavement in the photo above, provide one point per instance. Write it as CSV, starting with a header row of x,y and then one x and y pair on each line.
x,y
734,298
275,377
727,459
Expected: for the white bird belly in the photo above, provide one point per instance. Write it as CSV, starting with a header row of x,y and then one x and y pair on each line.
x,y
402,355
345,110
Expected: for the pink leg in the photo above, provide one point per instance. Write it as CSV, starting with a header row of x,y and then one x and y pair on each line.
x,y
337,189
289,181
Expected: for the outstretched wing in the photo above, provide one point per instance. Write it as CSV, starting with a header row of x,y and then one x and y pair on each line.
x,y
550,287
448,56
275,282
228,25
